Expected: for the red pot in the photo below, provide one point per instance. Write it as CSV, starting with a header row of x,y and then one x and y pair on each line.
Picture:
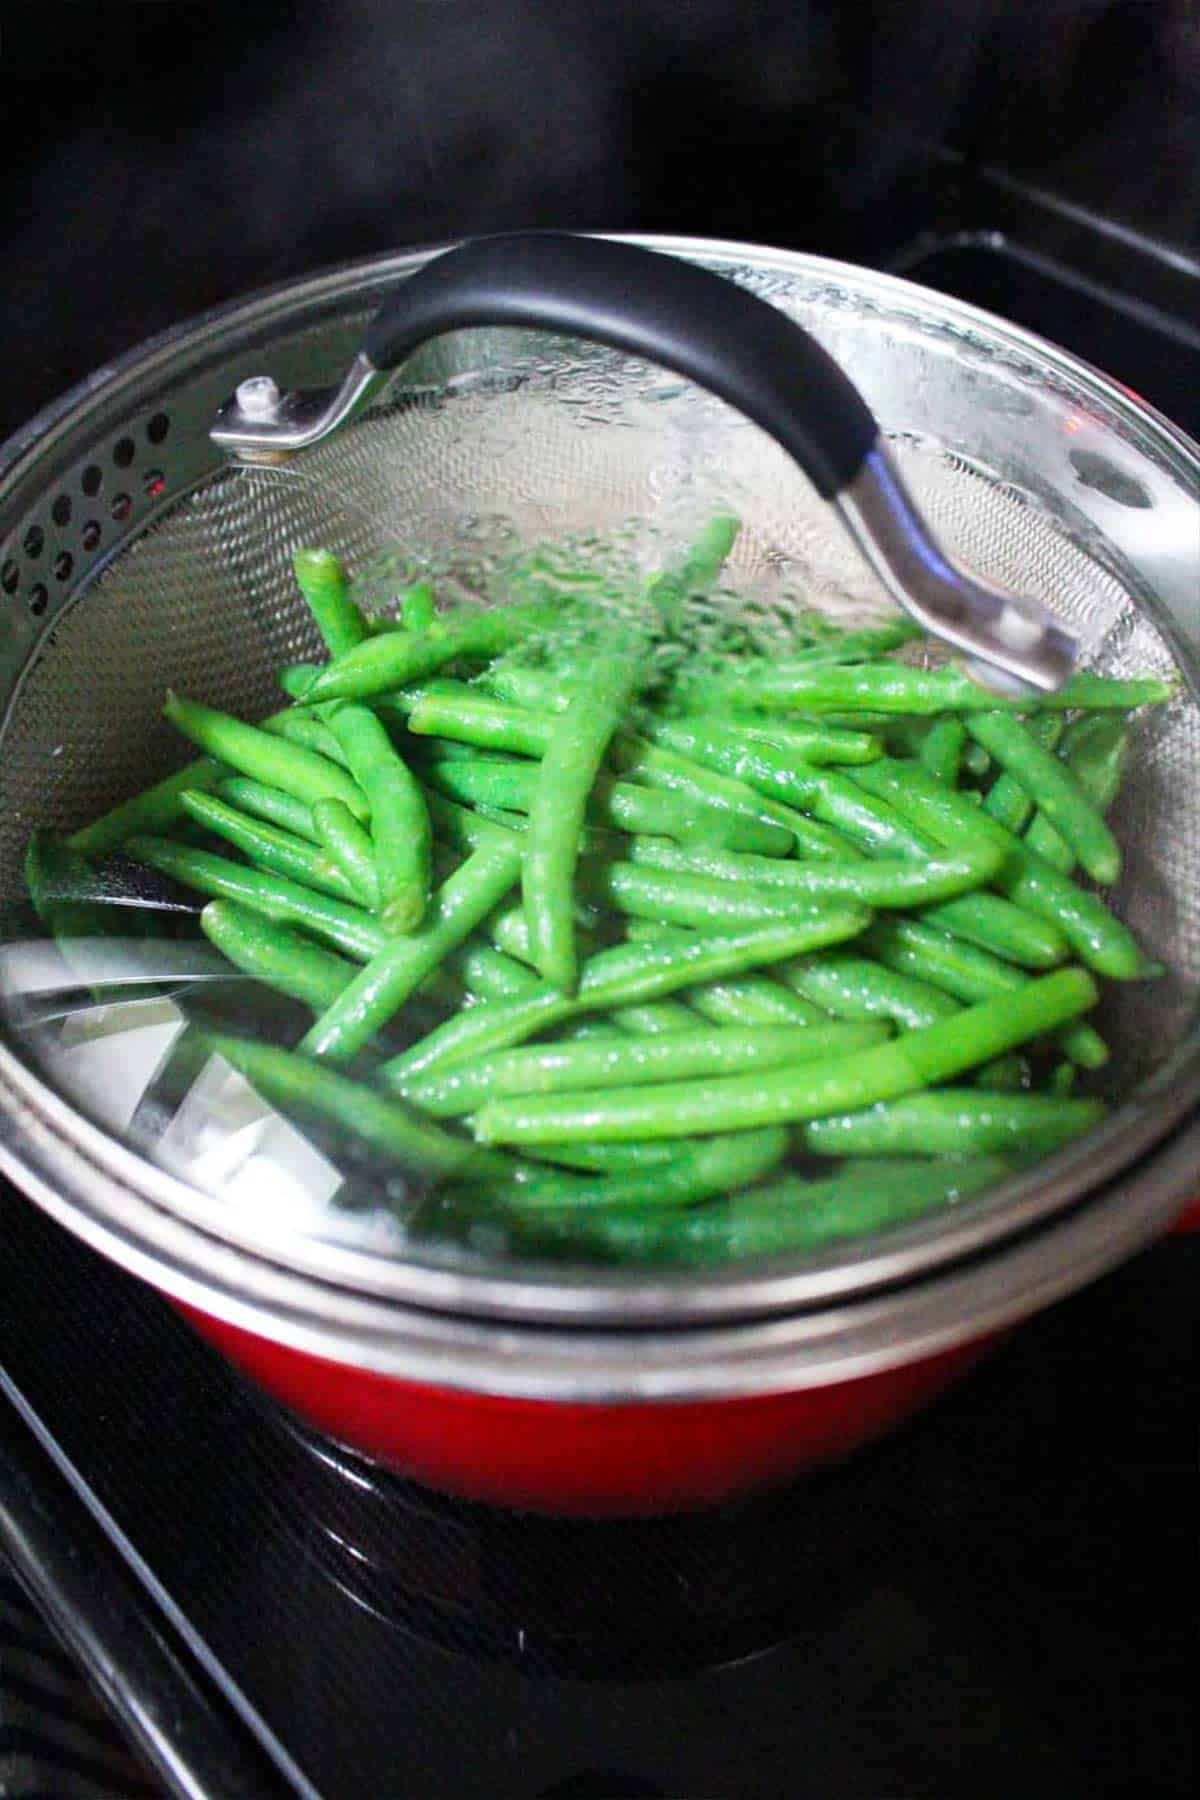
x,y
592,1460
543,1456
645,1456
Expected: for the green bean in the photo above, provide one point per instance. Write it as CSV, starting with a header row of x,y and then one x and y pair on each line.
x,y
711,827
895,687
789,1214
753,1000
865,644
830,796
543,689
571,760
258,753
533,689
1044,841
656,1018
511,935
705,557
941,750
662,768
696,1173
744,1102
322,581
496,815
814,743
1097,937
508,928
464,829
863,1196
1062,1079
349,848
920,951
268,847
766,766
709,689
743,848
489,974
272,953
854,987
686,899
58,881
674,1056
1083,1045
379,990
593,1031
738,1000
345,927
873,826
700,567
154,810
296,678
953,1122
626,975
470,717
1007,800
1002,926
1049,782
309,731
884,725
397,620
511,932
364,1115
491,724
269,803
622,805
701,902
417,611
883,883
1095,750
877,828
444,751
400,827
397,658
395,706
1009,1074
604,1157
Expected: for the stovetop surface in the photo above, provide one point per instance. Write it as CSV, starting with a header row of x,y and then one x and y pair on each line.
x,y
997,1600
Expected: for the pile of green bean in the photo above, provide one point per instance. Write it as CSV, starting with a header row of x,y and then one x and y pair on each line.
x,y
680,921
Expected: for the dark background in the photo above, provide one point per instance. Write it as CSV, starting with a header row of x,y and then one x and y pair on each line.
x,y
163,155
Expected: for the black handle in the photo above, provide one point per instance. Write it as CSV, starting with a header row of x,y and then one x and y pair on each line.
x,y
652,305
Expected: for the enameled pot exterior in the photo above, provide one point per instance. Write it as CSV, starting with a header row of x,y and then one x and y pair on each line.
x,y
589,1461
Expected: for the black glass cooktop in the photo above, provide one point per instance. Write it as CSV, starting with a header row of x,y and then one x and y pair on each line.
x,y
998,1600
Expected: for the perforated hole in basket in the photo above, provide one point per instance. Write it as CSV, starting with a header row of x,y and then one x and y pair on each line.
x,y
60,544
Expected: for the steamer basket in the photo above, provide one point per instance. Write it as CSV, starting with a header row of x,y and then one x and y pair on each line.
x,y
132,557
